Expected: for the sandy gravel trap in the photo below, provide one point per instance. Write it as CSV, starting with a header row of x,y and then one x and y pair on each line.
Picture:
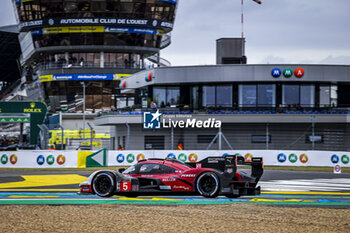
x,y
135,218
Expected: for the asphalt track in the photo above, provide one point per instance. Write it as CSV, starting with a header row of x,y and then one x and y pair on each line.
x,y
279,188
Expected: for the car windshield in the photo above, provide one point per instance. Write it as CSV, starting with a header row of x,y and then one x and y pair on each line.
x,y
149,168
130,170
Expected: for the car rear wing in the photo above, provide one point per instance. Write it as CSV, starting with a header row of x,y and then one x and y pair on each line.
x,y
229,164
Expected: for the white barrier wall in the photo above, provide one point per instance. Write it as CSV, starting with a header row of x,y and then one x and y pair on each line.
x,y
69,159
38,159
271,157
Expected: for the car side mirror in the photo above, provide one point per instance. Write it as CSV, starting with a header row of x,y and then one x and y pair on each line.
x,y
121,170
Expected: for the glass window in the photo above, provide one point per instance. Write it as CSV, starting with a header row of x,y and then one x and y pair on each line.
x,y
247,95
261,138
92,38
266,95
98,5
307,96
324,96
159,96
173,96
131,101
130,170
70,7
166,169
290,95
334,95
30,10
208,96
194,99
149,168
224,96
315,138
121,102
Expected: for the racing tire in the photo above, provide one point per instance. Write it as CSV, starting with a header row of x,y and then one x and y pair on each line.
x,y
208,184
103,184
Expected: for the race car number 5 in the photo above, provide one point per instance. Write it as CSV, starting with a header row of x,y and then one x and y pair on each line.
x,y
125,186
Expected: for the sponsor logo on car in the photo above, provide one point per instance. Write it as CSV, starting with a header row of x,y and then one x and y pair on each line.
x,y
169,179
181,187
188,175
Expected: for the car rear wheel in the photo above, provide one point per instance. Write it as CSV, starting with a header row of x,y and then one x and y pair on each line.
x,y
103,184
208,184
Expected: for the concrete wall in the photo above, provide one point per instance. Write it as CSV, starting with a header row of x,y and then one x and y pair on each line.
x,y
237,73
283,136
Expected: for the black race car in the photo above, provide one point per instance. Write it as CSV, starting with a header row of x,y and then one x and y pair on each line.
x,y
209,177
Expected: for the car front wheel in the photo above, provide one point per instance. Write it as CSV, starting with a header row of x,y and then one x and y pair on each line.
x,y
104,184
208,184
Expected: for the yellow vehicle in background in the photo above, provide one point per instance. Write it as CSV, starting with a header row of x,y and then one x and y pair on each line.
x,y
77,136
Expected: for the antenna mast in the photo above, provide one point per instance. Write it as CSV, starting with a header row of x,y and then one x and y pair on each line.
x,y
242,15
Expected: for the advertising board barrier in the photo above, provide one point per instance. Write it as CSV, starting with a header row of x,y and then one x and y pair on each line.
x,y
38,159
103,157
271,157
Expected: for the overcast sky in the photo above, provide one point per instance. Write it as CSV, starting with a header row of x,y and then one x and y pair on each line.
x,y
277,31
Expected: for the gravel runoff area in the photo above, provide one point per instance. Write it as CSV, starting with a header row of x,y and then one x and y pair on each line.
x,y
193,218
